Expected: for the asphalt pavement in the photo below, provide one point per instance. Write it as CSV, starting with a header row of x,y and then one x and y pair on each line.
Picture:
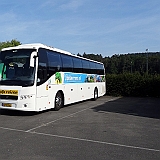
x,y
111,128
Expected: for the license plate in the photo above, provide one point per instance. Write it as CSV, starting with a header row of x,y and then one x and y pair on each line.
x,y
7,105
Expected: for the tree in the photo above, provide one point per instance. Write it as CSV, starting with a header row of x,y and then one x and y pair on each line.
x,y
79,55
11,43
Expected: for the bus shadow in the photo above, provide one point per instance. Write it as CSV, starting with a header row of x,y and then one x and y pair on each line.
x,y
17,113
144,107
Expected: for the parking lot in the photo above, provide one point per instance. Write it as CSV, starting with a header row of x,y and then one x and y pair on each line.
x,y
111,128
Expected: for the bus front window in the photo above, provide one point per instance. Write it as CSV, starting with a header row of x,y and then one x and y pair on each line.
x,y
15,67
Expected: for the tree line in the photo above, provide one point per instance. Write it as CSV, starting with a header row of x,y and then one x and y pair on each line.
x,y
142,63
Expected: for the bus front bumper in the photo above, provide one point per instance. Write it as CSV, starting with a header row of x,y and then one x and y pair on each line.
x,y
22,105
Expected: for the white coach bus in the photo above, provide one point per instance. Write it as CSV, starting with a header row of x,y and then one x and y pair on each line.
x,y
36,77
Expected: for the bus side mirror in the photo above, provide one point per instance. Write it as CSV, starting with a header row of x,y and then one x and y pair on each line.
x,y
33,55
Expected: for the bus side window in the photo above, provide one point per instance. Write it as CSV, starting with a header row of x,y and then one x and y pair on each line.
x,y
67,63
41,75
54,62
100,69
77,65
93,67
86,66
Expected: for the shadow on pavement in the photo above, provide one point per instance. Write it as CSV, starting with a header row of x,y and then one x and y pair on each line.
x,y
16,113
144,107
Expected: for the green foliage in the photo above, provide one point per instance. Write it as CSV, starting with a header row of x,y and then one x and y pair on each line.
x,y
132,63
129,63
133,85
11,43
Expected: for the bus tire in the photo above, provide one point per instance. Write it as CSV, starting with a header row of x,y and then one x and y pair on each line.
x,y
95,94
58,101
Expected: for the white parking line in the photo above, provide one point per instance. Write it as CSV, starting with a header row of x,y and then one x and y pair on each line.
x,y
67,116
56,120
85,140
100,142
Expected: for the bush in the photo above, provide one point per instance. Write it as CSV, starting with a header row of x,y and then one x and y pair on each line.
x,y
133,85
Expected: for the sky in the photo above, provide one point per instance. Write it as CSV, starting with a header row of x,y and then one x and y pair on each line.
x,y
105,27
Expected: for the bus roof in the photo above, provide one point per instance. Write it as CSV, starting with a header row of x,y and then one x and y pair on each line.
x,y
40,45
35,46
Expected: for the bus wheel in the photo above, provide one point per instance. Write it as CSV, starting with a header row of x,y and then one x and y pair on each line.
x,y
95,94
58,101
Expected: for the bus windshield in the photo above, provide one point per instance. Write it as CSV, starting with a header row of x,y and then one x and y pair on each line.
x,y
15,67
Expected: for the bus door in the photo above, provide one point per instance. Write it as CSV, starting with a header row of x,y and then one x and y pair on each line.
x,y
42,88
42,84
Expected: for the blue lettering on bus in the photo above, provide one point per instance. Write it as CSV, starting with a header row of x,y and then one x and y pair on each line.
x,y
74,78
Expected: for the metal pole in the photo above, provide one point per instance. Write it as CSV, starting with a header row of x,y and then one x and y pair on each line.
x,y
147,62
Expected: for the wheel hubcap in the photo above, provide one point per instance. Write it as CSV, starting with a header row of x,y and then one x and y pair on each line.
x,y
58,101
96,94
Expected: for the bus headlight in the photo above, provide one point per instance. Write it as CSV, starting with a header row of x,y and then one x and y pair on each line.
x,y
25,97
